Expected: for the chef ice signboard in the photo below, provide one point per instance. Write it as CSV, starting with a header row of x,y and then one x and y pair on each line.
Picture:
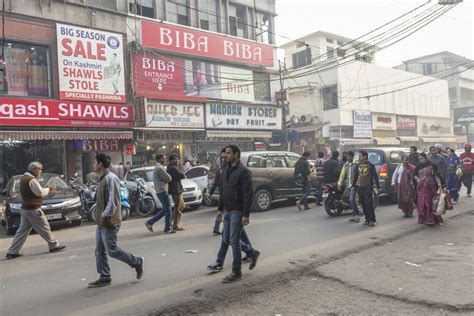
x,y
90,65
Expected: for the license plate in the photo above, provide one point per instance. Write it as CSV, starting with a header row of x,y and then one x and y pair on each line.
x,y
187,195
325,195
54,216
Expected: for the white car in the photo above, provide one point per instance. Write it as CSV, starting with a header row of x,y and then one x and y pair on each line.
x,y
199,175
192,194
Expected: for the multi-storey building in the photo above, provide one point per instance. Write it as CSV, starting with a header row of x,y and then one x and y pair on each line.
x,y
132,78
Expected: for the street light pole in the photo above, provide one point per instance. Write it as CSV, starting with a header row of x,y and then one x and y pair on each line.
x,y
283,106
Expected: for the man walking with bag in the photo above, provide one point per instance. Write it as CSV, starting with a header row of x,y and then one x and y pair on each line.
x,y
32,217
109,217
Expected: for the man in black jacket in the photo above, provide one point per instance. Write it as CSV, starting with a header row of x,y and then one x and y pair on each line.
x,y
332,169
302,174
175,189
236,197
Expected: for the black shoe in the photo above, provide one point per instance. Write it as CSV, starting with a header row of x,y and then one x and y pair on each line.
x,y
170,231
254,259
365,223
100,282
245,259
139,268
233,277
215,267
319,204
149,227
216,232
58,248
371,224
13,255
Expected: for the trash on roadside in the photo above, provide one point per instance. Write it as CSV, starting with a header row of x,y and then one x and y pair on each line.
x,y
163,254
83,280
413,264
449,244
400,289
191,251
371,263
129,284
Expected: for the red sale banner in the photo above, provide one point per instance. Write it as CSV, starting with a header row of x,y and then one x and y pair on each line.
x,y
33,112
198,43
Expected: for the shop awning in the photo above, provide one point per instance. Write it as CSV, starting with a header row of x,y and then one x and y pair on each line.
x,y
64,135
436,140
412,139
356,141
239,134
387,141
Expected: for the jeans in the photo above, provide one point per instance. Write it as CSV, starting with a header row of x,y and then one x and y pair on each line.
x,y
106,244
319,197
306,191
164,198
178,209
467,180
217,224
234,235
367,202
352,202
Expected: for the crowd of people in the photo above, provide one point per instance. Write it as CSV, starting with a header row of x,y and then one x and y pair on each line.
x,y
417,180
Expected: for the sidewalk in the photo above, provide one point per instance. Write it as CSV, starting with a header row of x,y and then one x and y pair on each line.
x,y
427,272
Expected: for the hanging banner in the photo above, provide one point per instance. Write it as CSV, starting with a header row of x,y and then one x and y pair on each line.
x,y
90,65
362,124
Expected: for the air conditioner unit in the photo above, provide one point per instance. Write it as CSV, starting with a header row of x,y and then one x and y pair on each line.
x,y
306,118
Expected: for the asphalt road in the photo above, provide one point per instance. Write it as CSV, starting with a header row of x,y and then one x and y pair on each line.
x,y
41,283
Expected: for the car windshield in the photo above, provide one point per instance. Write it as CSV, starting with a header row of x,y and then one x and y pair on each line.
x,y
147,175
44,180
374,157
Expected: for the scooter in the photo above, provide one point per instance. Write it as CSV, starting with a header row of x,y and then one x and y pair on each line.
x,y
86,194
125,205
336,203
141,199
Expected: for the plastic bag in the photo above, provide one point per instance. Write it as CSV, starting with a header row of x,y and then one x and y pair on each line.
x,y
459,172
440,199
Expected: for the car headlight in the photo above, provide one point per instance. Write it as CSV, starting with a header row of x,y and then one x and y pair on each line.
x,y
73,201
15,206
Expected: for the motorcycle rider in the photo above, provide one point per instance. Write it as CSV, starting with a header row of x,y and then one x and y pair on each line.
x,y
345,181
331,169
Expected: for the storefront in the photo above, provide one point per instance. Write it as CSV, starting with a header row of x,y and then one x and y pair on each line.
x,y
406,130
436,131
384,129
464,123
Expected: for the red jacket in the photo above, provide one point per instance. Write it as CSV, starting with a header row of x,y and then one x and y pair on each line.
x,y
468,161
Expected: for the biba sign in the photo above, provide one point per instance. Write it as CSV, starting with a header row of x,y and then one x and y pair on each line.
x,y
32,112
185,40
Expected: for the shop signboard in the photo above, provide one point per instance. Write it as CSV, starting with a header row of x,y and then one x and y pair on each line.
x,y
90,65
36,112
99,145
178,39
464,115
237,84
362,124
432,127
382,121
175,115
242,117
405,122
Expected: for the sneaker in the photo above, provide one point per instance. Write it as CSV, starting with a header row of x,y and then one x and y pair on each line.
x,y
178,229
356,219
254,259
233,277
100,282
319,204
298,205
170,231
58,248
365,223
149,227
215,267
139,268
10,256
371,224
216,232
469,195
245,259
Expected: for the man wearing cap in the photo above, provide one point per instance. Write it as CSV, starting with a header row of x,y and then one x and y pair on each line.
x,y
467,158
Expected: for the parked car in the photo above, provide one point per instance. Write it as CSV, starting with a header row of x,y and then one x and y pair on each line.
x,y
192,195
61,208
199,175
272,176
385,160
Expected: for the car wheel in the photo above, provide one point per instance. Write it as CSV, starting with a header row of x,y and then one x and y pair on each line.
x,y
206,200
8,227
263,200
145,207
77,222
125,212
195,206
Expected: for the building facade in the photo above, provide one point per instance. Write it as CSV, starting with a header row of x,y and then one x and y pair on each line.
x,y
133,79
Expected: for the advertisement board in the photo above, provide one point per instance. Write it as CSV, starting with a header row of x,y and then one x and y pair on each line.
x,y
430,126
193,42
90,65
406,122
362,124
381,121
35,112
242,117
237,84
175,115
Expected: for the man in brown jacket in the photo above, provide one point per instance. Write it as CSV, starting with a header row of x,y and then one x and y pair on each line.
x,y
109,217
32,217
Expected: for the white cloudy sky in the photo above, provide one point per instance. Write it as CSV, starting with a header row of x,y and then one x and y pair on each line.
x,y
353,18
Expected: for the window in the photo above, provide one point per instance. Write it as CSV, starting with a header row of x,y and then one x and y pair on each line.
x,y
261,86
302,58
396,156
374,157
208,16
330,99
339,43
329,40
429,69
238,21
277,161
330,52
341,52
26,71
263,31
196,172
256,161
142,7
177,11
104,4
293,160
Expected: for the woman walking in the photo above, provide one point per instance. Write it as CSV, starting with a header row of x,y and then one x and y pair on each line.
x,y
428,182
402,180
453,184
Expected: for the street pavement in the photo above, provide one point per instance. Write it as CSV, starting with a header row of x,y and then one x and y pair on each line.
x,y
41,283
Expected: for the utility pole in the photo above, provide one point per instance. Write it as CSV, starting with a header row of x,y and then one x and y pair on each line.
x,y
284,106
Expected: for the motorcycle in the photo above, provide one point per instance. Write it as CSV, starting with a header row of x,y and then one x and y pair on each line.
x,y
123,202
336,203
86,194
141,199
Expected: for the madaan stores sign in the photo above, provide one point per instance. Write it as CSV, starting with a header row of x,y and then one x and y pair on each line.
x,y
247,117
90,65
33,112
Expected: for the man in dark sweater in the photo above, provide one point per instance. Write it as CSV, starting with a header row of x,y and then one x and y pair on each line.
x,y
332,169
175,189
302,174
365,176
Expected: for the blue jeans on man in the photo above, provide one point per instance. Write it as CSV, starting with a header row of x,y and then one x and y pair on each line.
x,y
106,244
164,198
319,196
353,202
306,191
